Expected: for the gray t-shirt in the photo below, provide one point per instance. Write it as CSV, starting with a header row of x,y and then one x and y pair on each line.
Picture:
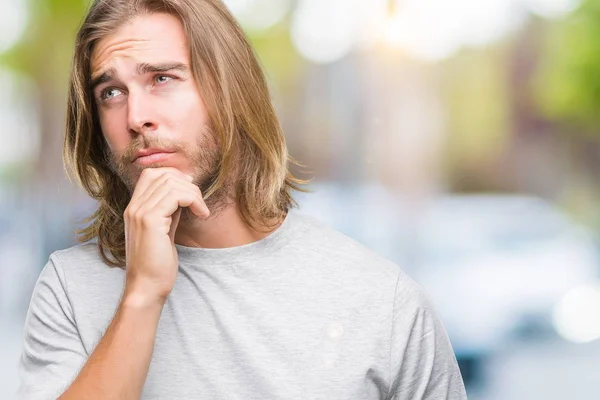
x,y
306,313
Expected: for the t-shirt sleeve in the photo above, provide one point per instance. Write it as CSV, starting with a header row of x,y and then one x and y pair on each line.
x,y
52,352
423,364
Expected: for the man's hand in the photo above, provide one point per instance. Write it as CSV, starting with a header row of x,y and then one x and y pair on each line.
x,y
151,219
118,367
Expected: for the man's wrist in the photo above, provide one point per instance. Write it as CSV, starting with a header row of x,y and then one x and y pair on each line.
x,y
141,300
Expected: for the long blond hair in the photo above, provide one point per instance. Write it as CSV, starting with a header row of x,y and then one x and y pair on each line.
x,y
236,95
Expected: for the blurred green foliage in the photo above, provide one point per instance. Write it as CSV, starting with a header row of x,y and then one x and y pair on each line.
x,y
281,62
568,84
477,97
44,53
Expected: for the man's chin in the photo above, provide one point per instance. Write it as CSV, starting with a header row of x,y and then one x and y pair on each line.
x,y
153,165
135,171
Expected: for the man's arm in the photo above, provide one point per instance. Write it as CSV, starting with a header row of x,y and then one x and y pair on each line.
x,y
423,363
118,366
53,353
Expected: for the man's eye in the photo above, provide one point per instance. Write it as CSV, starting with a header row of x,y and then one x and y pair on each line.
x,y
110,93
163,79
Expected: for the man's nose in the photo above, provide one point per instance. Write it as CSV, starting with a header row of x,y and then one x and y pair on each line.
x,y
141,116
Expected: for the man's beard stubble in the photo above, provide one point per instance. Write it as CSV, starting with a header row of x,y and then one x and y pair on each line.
x,y
205,162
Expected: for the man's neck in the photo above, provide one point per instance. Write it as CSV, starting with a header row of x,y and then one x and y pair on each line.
x,y
224,229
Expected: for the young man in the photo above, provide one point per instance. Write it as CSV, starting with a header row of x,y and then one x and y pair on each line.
x,y
201,284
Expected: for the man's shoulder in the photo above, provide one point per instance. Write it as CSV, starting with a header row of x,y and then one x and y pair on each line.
x,y
356,267
366,272
81,250
83,255
82,267
340,252
78,285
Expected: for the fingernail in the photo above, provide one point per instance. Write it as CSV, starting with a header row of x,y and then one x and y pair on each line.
x,y
189,178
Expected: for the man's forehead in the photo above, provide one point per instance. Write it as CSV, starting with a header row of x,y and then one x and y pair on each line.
x,y
148,38
127,57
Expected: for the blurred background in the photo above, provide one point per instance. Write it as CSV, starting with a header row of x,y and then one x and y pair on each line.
x,y
461,139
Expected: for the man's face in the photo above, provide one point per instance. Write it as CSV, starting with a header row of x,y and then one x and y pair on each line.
x,y
148,102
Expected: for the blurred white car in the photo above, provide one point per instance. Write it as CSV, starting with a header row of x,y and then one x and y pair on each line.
x,y
494,263
494,266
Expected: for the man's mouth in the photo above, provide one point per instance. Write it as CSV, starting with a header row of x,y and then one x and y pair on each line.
x,y
151,156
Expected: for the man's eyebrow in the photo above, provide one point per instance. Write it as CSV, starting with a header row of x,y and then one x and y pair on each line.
x,y
145,68
106,76
141,69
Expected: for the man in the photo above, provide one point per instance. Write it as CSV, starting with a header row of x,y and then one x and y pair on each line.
x,y
201,283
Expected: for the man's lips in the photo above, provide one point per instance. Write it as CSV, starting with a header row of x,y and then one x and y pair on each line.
x,y
149,156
